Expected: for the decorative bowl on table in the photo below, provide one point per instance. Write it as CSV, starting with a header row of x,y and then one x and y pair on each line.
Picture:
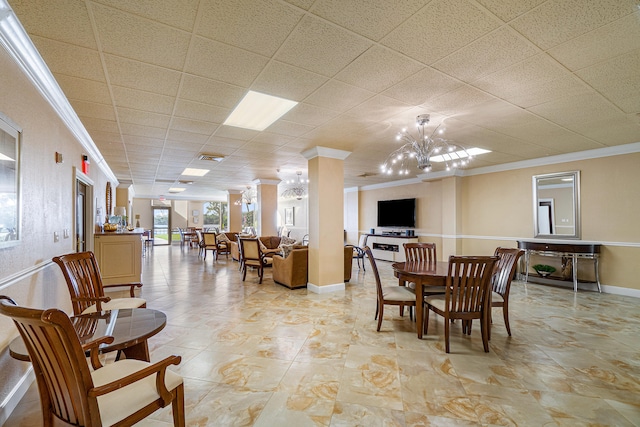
x,y
544,270
110,227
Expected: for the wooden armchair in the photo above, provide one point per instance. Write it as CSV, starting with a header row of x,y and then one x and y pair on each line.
x,y
120,393
252,256
82,274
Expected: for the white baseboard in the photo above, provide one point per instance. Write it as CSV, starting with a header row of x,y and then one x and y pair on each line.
x,y
18,392
326,288
617,290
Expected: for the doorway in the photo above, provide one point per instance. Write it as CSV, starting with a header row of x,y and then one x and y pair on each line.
x,y
83,228
161,226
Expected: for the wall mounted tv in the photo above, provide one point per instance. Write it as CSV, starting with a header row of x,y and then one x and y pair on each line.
x,y
397,213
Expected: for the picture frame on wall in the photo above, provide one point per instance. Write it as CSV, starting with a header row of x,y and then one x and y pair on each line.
x,y
288,216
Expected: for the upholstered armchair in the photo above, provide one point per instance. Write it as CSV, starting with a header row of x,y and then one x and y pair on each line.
x,y
292,271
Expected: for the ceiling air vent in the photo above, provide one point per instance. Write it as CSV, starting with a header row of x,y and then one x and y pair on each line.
x,y
211,157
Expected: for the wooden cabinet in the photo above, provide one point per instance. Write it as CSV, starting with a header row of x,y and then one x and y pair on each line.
x,y
389,247
119,256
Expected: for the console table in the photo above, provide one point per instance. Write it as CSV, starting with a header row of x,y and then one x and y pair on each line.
x,y
389,247
575,251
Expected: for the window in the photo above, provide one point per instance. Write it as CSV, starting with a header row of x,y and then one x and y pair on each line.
x,y
215,215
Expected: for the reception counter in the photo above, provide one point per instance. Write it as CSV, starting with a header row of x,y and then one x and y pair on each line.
x,y
119,256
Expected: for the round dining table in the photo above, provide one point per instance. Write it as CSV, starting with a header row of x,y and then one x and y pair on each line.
x,y
424,275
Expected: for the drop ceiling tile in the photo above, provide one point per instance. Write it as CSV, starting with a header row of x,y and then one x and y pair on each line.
x,y
141,76
372,19
309,115
558,21
379,108
236,133
439,29
95,110
422,86
617,80
84,90
211,92
595,117
142,140
218,61
155,43
534,81
145,101
321,47
144,118
107,137
286,81
305,4
509,9
495,51
218,141
458,100
66,21
182,137
92,124
63,58
378,69
338,96
144,131
600,45
198,111
180,14
259,26
193,126
284,127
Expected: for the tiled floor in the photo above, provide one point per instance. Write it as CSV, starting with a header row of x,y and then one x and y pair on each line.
x,y
264,355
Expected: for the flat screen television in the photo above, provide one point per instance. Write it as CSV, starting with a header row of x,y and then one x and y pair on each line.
x,y
397,213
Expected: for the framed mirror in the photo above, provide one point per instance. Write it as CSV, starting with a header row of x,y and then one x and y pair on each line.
x,y
9,183
556,205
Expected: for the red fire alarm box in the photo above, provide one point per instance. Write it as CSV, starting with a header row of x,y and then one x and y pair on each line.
x,y
85,164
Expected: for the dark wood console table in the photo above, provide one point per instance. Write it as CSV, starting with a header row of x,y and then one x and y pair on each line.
x,y
574,251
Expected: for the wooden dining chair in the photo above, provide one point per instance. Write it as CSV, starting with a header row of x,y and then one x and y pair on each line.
x,y
82,274
501,282
120,393
209,244
223,247
420,252
466,296
252,256
388,295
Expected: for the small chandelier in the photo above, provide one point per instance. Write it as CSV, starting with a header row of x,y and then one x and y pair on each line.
x,y
425,149
248,197
297,189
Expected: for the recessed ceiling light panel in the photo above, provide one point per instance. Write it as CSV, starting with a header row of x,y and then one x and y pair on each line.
x,y
195,172
258,111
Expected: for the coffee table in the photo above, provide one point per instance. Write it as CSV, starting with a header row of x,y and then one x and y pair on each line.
x,y
129,327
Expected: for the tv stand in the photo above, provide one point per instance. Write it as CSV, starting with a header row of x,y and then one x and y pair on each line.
x,y
389,247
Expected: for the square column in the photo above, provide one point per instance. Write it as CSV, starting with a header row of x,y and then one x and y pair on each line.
x,y
326,219
267,209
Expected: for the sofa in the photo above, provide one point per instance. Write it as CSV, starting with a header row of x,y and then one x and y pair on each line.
x,y
271,243
293,271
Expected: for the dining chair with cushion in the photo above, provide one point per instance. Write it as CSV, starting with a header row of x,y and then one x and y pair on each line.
x,y
252,256
466,297
82,274
388,295
223,245
209,244
501,283
71,393
358,251
200,242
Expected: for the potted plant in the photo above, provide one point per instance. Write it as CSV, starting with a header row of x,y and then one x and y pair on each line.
x,y
544,270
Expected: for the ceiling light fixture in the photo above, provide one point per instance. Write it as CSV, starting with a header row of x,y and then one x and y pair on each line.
x,y
258,111
297,190
195,172
176,190
248,197
425,149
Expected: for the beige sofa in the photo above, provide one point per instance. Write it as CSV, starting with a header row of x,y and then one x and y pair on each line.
x,y
271,243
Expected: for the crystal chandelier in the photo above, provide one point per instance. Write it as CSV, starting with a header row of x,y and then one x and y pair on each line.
x,y
425,149
248,197
297,189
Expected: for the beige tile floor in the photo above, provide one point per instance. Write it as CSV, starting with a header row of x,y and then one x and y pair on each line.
x,y
263,355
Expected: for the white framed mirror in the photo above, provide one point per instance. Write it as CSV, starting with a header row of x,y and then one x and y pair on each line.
x,y
556,205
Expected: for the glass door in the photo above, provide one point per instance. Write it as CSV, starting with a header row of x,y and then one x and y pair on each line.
x,y
161,221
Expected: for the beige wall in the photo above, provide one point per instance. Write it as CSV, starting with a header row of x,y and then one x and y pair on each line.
x,y
26,271
496,209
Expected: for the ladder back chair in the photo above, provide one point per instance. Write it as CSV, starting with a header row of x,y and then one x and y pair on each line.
x,y
82,274
466,296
